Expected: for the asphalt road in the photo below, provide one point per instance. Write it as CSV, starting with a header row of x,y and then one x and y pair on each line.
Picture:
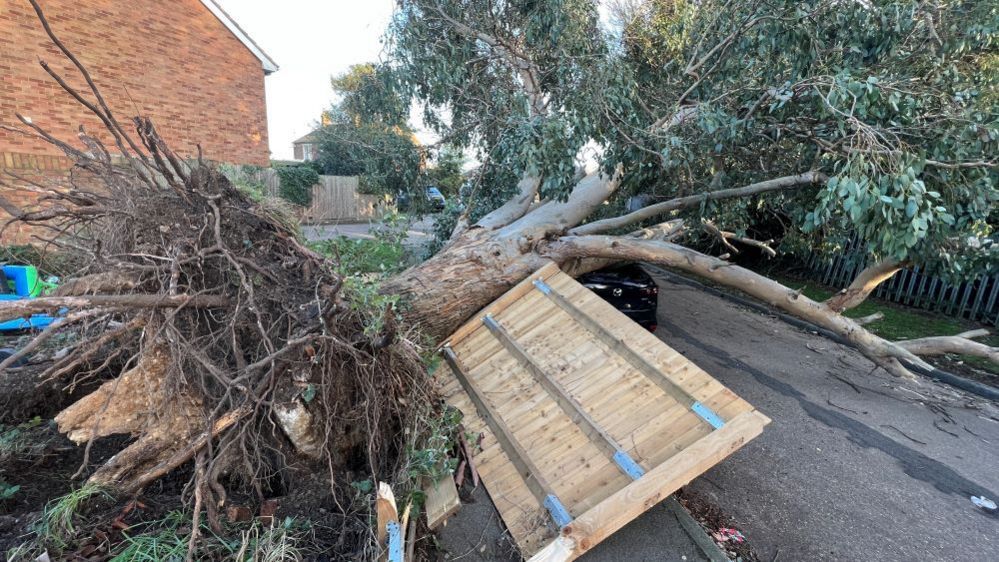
x,y
417,234
856,465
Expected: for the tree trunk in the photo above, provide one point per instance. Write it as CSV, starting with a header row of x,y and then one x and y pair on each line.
x,y
472,271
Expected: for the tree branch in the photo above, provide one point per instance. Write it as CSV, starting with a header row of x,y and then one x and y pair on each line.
x,y
26,307
863,285
558,216
724,236
786,182
521,62
516,207
870,318
884,353
961,344
681,116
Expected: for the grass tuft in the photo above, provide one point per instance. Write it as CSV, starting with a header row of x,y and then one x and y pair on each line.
x,y
167,539
23,441
57,525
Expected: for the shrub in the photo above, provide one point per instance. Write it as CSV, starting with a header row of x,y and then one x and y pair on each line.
x,y
246,179
296,184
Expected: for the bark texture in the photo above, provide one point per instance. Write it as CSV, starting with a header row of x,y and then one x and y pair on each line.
x,y
444,291
962,344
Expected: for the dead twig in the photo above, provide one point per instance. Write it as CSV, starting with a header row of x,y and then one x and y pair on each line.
x,y
903,434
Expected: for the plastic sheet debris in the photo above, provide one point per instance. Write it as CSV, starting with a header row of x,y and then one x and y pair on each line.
x,y
727,534
984,503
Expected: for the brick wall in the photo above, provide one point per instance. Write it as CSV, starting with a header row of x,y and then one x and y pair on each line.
x,y
23,169
171,60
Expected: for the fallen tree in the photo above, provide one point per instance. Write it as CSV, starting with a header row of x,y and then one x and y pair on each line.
x,y
219,339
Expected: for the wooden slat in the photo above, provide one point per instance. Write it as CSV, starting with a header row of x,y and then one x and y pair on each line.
x,y
616,511
441,501
617,345
522,514
533,477
386,516
575,412
511,296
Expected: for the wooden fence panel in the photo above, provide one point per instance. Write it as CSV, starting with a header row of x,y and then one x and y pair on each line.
x,y
335,199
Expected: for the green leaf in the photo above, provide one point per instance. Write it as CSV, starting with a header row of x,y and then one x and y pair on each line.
x,y
364,486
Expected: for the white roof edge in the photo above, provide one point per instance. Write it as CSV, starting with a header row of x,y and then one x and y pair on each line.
x,y
267,62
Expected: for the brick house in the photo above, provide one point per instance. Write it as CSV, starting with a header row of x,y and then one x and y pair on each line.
x,y
307,147
184,63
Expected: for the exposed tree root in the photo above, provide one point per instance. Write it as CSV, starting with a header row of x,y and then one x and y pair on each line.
x,y
220,339
140,401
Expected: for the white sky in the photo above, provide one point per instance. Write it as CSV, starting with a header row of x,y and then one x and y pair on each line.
x,y
310,40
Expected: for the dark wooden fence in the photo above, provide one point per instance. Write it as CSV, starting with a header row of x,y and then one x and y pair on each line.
x,y
974,299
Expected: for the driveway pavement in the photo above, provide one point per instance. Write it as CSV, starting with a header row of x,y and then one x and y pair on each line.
x,y
417,234
857,465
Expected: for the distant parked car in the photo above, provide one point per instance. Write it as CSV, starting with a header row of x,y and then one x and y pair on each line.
x,y
434,200
629,289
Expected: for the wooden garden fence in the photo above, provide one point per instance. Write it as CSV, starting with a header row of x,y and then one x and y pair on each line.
x,y
973,299
335,199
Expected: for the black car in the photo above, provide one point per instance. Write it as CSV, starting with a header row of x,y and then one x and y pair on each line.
x,y
629,289
433,200
436,199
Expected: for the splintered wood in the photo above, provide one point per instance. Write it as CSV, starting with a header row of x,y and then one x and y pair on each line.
x,y
587,419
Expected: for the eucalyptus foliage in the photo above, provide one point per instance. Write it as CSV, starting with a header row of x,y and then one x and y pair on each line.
x,y
895,101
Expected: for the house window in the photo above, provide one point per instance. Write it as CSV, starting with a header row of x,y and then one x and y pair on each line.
x,y
308,152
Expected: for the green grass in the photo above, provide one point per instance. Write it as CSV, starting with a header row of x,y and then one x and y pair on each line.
x,y
899,322
57,525
163,543
167,539
24,441
20,444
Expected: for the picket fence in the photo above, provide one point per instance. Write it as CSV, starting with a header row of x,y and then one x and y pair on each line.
x,y
974,299
335,199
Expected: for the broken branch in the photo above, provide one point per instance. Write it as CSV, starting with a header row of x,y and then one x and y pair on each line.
x,y
863,285
27,307
786,182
